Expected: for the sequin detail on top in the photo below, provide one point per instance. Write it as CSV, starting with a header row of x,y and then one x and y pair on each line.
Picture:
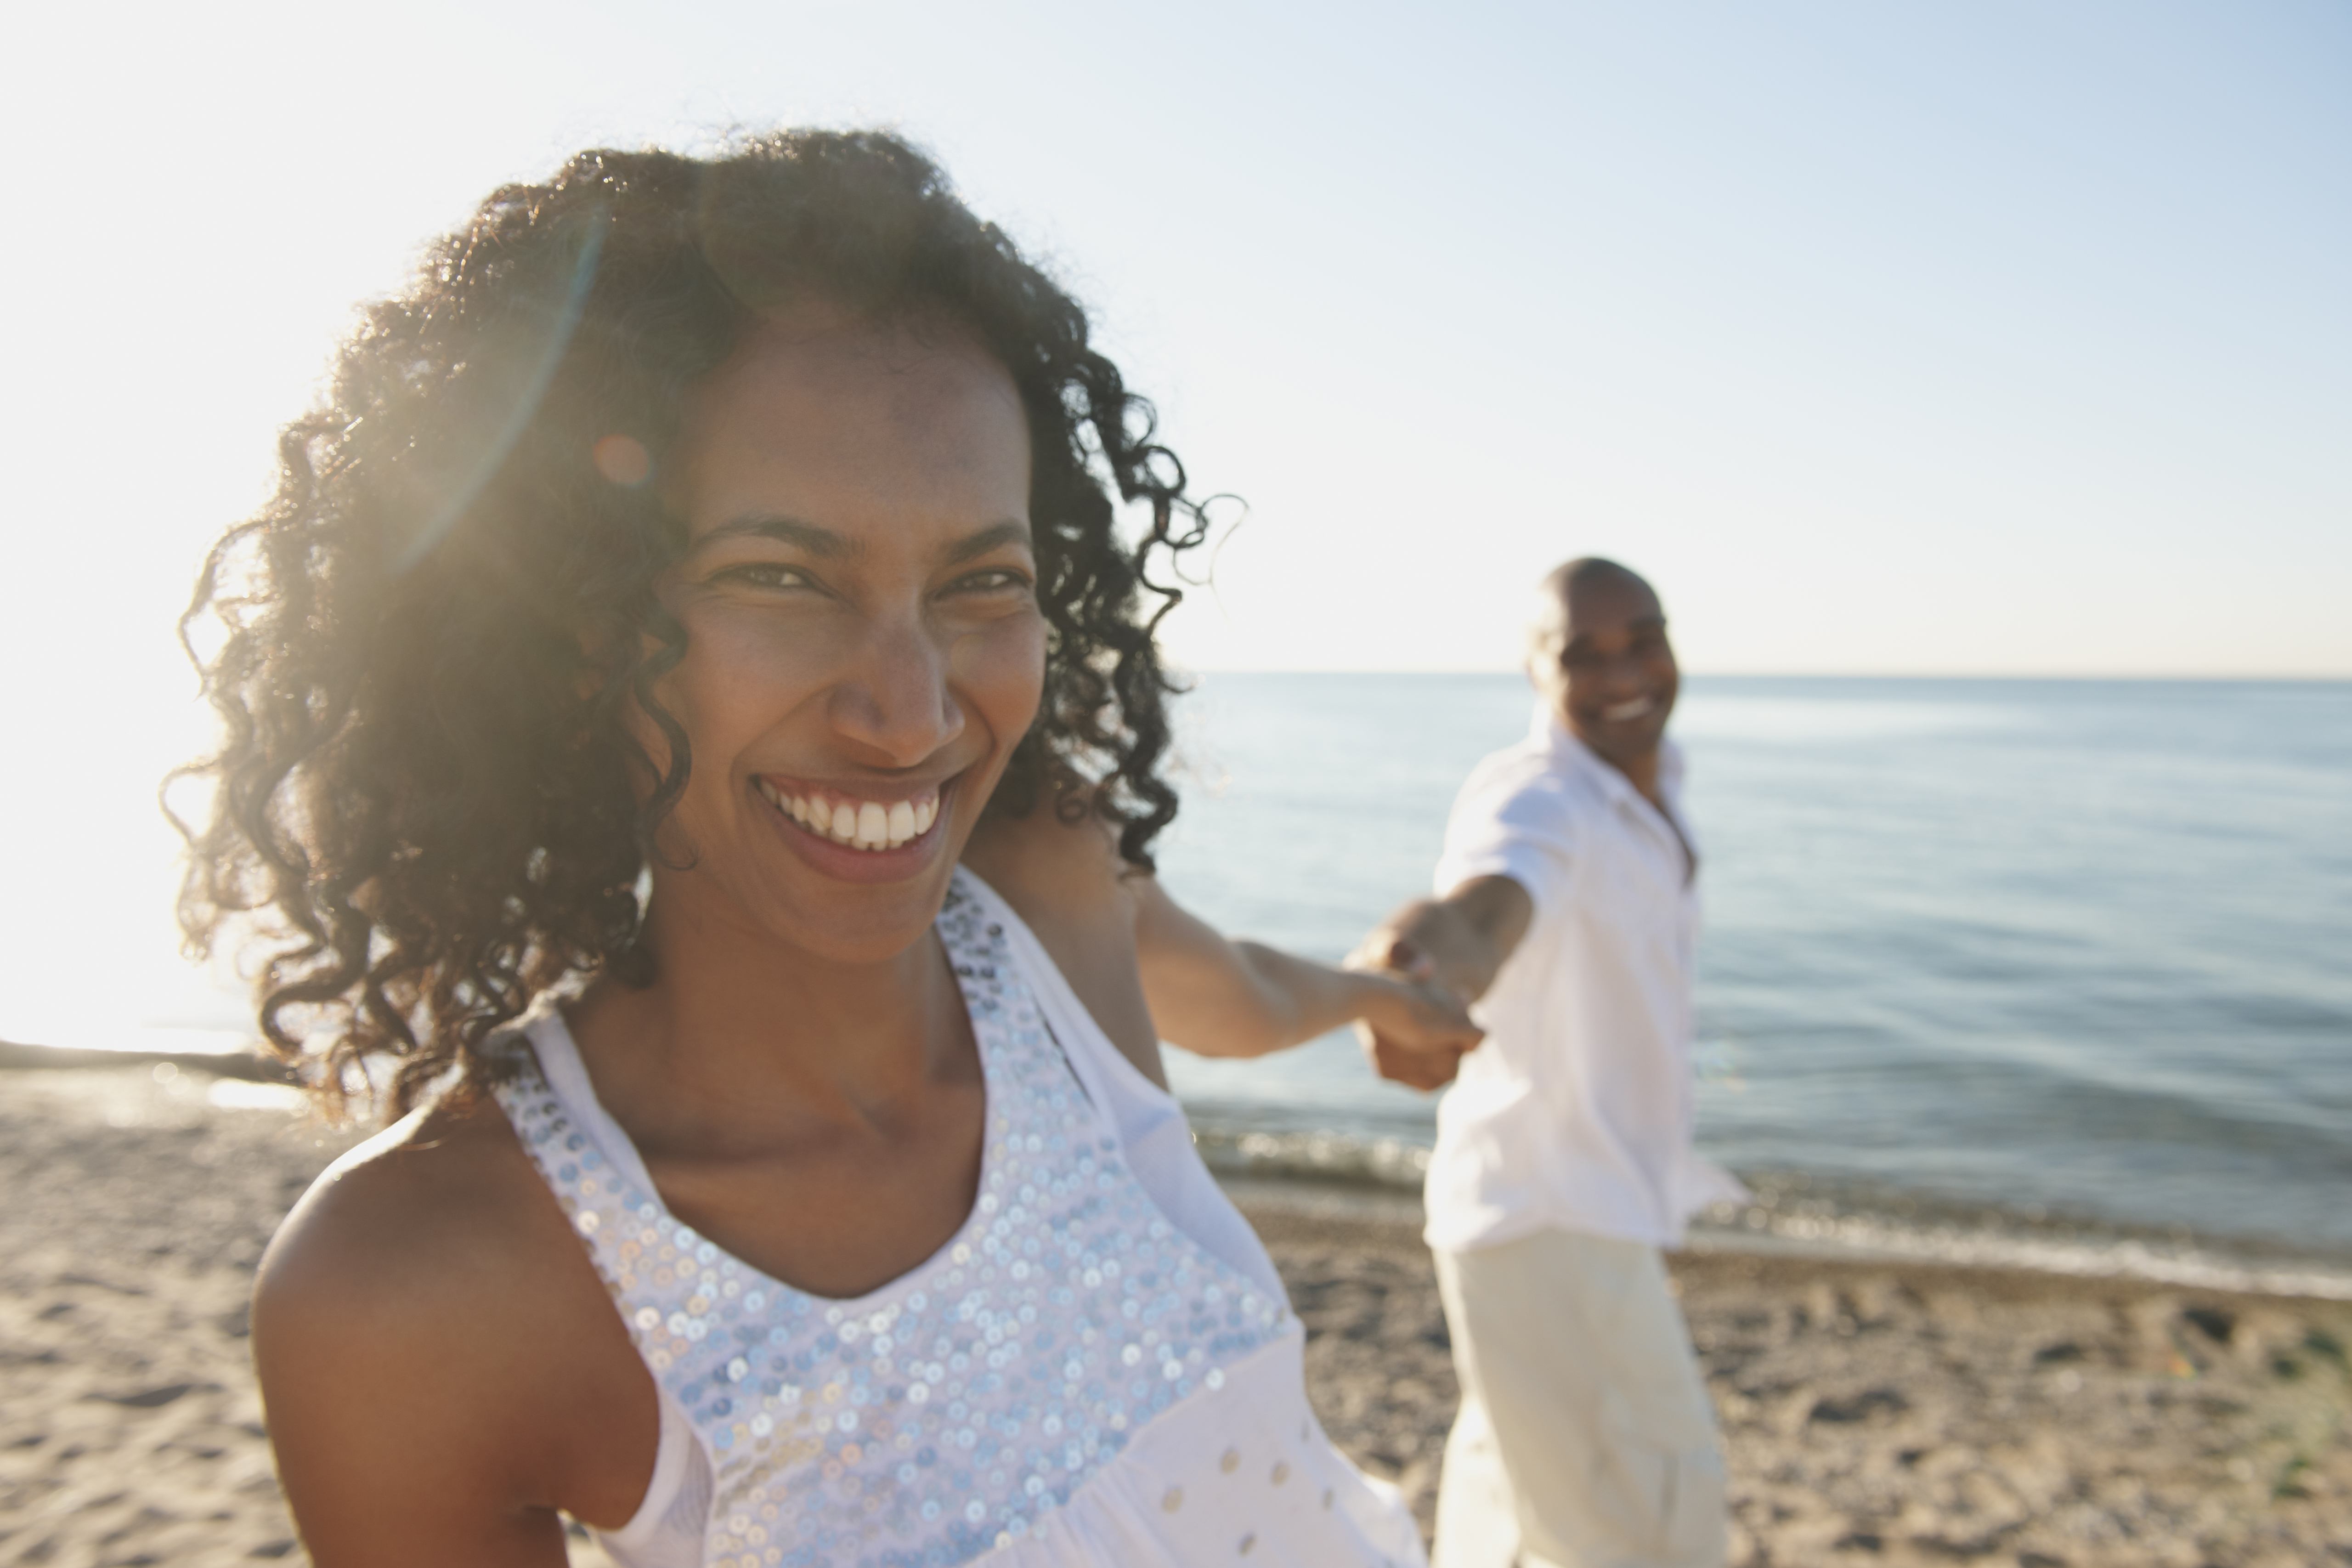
x,y
950,1412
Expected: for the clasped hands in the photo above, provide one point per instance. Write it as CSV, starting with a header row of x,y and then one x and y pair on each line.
x,y
1418,1035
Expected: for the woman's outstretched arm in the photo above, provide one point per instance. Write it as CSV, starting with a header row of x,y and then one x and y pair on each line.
x,y
1148,970
1222,997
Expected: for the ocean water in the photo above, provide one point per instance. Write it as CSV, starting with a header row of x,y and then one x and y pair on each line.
x,y
2048,972
2054,973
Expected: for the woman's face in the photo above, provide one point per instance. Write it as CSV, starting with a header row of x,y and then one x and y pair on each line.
x,y
864,642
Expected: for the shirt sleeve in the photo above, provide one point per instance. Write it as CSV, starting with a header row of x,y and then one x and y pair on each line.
x,y
1509,825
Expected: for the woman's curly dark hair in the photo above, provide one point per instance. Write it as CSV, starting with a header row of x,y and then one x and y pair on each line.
x,y
424,790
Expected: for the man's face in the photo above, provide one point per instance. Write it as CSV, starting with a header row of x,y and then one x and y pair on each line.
x,y
1603,663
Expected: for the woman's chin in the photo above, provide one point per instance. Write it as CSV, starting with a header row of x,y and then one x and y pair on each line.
x,y
866,933
870,906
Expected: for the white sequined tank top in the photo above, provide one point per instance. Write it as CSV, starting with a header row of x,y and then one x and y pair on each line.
x,y
1099,1367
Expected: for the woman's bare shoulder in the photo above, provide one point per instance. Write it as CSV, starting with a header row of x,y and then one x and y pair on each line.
x,y
411,1213
426,1324
1067,881
1060,867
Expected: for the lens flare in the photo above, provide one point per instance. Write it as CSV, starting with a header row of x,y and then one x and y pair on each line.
x,y
623,460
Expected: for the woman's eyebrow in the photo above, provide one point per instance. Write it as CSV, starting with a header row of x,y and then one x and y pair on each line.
x,y
972,545
821,542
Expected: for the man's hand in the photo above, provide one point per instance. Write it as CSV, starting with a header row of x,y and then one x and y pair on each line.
x,y
1453,945
1415,1033
1388,950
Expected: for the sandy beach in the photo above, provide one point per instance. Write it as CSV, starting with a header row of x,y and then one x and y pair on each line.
x,y
1874,1413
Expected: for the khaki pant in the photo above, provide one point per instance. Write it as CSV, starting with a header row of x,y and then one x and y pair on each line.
x,y
1585,1438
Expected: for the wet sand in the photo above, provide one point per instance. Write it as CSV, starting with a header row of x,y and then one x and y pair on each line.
x,y
1874,1413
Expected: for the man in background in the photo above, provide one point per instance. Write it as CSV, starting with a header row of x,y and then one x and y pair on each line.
x,y
1567,908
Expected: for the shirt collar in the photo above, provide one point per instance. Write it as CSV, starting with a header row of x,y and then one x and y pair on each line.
x,y
1561,742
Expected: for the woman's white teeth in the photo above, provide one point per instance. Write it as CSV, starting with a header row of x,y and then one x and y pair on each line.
x,y
862,825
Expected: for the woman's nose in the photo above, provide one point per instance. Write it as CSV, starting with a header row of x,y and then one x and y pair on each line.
x,y
895,698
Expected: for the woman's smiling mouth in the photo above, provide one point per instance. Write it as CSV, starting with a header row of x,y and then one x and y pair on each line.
x,y
851,821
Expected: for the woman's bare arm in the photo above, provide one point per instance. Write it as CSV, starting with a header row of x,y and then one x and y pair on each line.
x,y
1150,969
1221,997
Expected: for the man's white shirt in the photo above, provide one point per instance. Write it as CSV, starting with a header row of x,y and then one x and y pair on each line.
x,y
1576,1112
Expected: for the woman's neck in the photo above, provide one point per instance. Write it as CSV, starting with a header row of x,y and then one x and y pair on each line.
x,y
821,1120
740,1035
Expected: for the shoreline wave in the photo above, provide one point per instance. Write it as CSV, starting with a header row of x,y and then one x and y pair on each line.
x,y
1800,1214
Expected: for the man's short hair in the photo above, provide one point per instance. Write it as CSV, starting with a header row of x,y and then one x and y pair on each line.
x,y
1549,620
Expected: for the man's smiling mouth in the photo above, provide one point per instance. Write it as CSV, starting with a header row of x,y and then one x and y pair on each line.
x,y
1631,708
852,822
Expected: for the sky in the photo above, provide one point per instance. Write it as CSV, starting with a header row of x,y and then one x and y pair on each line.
x,y
1998,339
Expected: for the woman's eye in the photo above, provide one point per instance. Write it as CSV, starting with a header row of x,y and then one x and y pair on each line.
x,y
764,574
995,580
